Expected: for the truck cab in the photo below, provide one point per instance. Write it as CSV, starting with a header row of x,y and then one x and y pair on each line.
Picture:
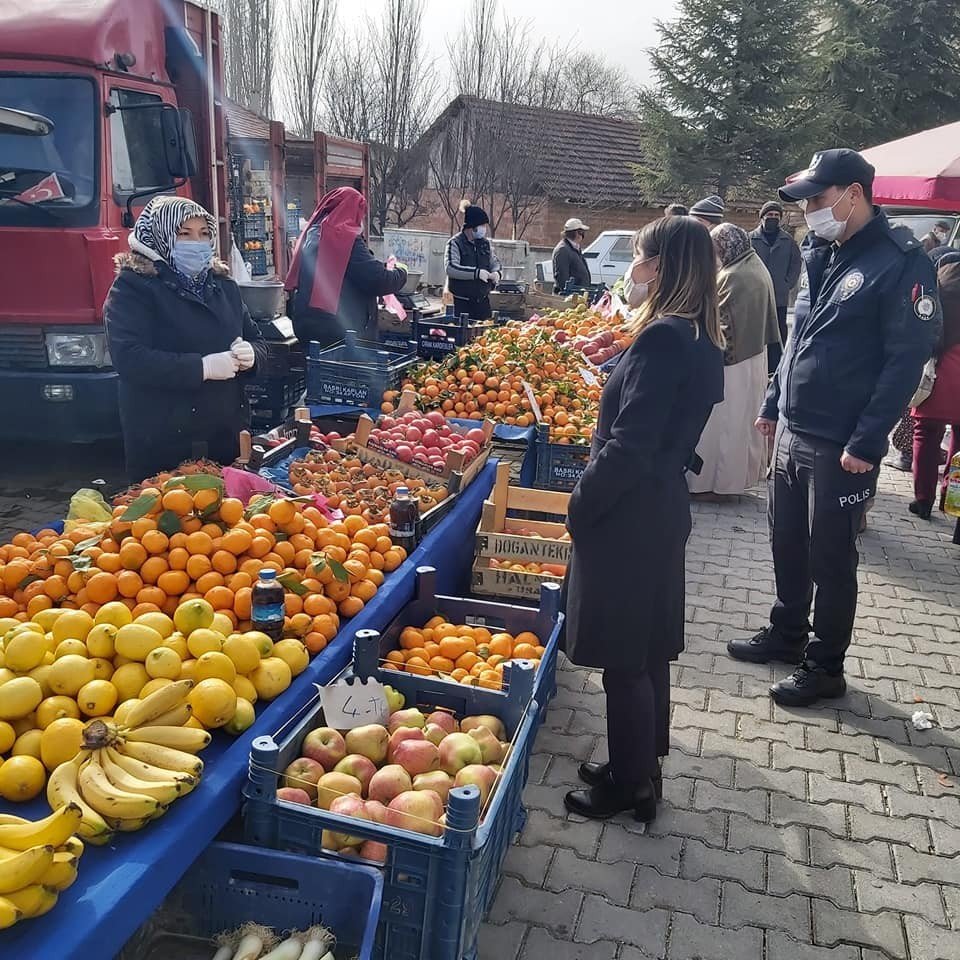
x,y
103,104
608,256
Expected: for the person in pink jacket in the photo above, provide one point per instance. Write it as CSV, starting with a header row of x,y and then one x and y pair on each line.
x,y
942,408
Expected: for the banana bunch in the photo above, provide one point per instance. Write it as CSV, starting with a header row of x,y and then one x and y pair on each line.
x,y
38,859
128,774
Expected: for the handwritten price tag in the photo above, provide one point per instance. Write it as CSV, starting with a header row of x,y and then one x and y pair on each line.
x,y
588,377
534,406
353,703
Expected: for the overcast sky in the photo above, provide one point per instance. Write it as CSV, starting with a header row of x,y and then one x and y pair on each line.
x,y
620,30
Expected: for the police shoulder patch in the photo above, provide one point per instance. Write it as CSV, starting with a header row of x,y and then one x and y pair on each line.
x,y
925,307
850,284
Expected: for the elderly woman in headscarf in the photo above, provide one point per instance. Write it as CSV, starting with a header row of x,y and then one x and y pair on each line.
x,y
181,340
733,453
334,279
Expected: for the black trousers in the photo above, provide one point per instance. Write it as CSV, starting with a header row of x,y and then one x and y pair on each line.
x,y
775,350
814,513
477,309
638,720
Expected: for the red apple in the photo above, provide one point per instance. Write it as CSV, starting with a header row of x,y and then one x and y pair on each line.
x,y
325,745
303,774
356,765
294,795
388,782
417,756
416,810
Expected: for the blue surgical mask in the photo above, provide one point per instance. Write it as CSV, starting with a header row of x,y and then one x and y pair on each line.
x,y
192,257
480,232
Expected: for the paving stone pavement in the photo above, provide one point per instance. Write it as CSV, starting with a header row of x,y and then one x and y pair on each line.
x,y
824,834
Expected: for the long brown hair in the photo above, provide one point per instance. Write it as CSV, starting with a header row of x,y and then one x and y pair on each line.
x,y
686,278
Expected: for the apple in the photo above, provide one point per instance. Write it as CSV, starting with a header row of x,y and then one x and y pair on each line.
x,y
333,785
434,733
372,850
477,436
325,745
417,756
376,811
303,774
436,780
369,741
436,418
388,782
395,699
349,806
356,765
458,750
479,774
416,810
404,453
294,795
400,736
490,749
411,717
443,719
493,724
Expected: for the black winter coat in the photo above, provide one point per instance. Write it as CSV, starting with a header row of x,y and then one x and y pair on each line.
x,y
365,280
158,335
569,264
629,516
782,260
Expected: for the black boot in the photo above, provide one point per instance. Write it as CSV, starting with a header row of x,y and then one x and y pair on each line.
x,y
595,773
607,799
900,461
807,685
921,508
769,644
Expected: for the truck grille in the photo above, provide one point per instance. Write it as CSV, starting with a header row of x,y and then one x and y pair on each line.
x,y
22,348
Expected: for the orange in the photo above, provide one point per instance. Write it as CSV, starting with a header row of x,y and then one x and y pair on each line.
x,y
213,531
109,562
152,569
142,608
292,604
152,595
220,598
208,581
55,587
418,666
198,564
417,653
441,664
444,630
205,499
8,607
282,511
140,528
284,550
129,584
454,647
200,542
356,570
459,674
274,560
337,591
395,656
410,638
502,643
524,651
237,541
383,544
40,602
491,680
433,649
328,624
231,511
301,623
375,577
224,562
178,558
178,501
364,589
527,637
354,525
155,542
102,588
174,582
467,661
314,604
259,547
191,525
350,607
262,522
239,580
132,555
391,560
315,643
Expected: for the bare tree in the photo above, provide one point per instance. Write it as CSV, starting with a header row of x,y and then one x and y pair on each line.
x,y
591,86
250,34
473,51
307,35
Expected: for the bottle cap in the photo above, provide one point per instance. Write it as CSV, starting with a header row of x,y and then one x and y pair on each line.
x,y
403,491
268,574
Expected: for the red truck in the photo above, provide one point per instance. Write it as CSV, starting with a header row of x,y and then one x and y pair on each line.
x,y
103,104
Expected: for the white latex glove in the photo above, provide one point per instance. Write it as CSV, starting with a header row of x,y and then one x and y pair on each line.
x,y
220,366
243,353
484,275
495,277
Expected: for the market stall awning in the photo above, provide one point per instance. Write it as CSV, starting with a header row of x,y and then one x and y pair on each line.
x,y
922,170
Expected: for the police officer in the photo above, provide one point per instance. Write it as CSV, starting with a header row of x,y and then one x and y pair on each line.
x,y
866,320
473,269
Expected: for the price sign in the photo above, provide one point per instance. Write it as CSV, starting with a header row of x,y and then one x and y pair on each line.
x,y
353,703
534,406
588,377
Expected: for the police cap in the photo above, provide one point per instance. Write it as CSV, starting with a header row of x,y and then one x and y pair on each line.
x,y
828,168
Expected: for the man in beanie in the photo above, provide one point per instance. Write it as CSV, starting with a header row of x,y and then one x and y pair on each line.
x,y
867,319
781,256
472,267
709,211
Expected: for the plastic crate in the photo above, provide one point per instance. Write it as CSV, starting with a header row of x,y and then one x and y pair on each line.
x,y
257,259
293,220
275,394
254,226
436,889
354,373
438,337
559,465
231,884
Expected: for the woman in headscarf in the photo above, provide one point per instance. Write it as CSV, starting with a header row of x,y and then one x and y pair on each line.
x,y
334,279
181,341
733,453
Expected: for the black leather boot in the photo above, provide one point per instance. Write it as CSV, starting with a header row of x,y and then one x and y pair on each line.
x,y
766,646
607,799
595,773
807,685
921,508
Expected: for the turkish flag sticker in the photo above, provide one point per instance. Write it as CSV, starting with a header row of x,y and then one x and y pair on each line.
x,y
47,189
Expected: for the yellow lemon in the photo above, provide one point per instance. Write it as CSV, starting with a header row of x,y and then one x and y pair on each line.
x,y
163,663
187,668
129,680
27,744
294,654
152,686
103,668
204,640
245,689
97,698
158,621
68,674
42,675
193,615
242,718
21,778
222,624
214,702
101,640
263,643
243,652
7,736
214,665
6,675
61,741
178,642
19,698
72,625
115,614
56,708
44,619
24,652
23,724
66,647
136,640
271,678
8,623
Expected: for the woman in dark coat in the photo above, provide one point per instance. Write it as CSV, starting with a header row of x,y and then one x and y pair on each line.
x,y
181,340
629,516
334,279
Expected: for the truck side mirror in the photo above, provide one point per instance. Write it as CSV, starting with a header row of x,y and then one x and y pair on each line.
x,y
179,142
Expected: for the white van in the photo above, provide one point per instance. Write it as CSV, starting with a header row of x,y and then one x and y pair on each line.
x,y
608,256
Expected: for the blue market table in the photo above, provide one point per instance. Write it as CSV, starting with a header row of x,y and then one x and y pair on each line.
x,y
119,886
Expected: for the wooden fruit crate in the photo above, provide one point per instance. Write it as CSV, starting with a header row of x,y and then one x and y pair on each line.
x,y
488,582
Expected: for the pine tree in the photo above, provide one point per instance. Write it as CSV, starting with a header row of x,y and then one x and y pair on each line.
x,y
887,68
728,111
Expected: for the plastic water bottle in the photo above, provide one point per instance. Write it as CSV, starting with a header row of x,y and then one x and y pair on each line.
x,y
404,520
267,606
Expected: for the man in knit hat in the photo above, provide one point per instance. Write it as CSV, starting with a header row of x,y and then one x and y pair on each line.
x,y
781,256
709,211
473,269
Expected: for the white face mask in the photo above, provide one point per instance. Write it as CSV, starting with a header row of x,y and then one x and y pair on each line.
x,y
636,291
824,224
480,232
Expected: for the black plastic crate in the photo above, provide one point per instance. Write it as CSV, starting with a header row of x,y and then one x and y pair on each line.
x,y
559,465
285,358
275,393
254,226
438,337
257,260
293,220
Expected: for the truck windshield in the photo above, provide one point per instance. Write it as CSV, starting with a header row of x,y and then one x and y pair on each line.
x,y
923,225
52,178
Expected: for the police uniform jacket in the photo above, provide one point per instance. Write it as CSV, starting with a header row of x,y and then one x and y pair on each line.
x,y
867,319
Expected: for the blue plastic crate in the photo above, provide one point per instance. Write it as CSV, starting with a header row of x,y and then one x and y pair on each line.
x,y
436,889
559,465
354,373
439,337
231,884
293,220
257,260
254,226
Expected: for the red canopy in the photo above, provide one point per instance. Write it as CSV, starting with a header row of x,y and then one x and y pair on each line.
x,y
922,170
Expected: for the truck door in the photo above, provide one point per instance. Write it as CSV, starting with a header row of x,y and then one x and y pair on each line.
x,y
613,264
